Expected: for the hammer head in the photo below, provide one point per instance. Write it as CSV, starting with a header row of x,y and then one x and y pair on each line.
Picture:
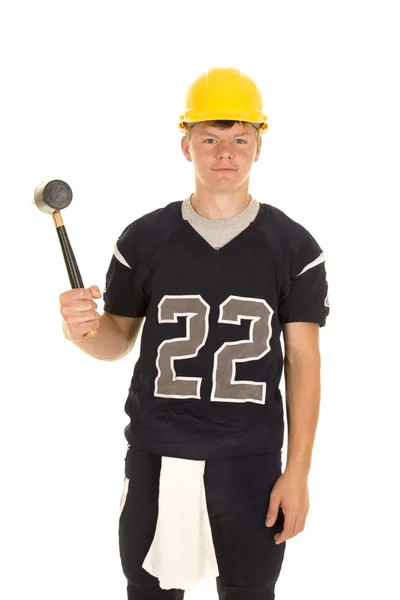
x,y
52,196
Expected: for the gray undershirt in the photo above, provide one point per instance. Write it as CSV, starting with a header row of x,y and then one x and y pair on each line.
x,y
218,232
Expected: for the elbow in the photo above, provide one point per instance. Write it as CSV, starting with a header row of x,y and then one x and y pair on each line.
x,y
300,358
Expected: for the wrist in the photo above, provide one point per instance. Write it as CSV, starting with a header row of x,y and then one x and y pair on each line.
x,y
298,470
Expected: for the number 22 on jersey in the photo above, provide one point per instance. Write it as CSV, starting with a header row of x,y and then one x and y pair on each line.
x,y
196,310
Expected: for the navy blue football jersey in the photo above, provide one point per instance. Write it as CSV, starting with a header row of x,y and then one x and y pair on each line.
x,y
206,384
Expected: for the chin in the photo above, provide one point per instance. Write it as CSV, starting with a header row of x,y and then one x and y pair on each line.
x,y
228,182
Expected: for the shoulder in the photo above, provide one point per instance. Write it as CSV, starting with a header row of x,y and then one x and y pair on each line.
x,y
291,240
145,234
165,218
281,225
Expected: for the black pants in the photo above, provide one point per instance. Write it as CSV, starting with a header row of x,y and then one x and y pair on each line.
x,y
237,493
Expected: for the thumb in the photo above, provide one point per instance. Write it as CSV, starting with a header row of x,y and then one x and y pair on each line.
x,y
272,512
95,291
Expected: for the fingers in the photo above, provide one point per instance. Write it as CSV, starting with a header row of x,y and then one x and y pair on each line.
x,y
292,527
95,291
80,294
82,317
76,333
288,529
272,513
76,307
79,311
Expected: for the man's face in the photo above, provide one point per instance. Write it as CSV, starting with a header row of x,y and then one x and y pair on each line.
x,y
212,150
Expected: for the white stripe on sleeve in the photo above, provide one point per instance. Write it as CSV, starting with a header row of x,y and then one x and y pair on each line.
x,y
119,256
314,263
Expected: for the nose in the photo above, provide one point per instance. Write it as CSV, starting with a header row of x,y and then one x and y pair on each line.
x,y
224,150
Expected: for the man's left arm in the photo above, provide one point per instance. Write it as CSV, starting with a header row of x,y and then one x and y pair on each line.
x,y
303,391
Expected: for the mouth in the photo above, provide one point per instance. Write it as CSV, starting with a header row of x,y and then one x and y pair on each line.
x,y
224,169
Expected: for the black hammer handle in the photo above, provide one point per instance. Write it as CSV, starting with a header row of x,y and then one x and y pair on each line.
x,y
69,258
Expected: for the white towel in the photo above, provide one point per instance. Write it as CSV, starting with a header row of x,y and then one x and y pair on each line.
x,y
182,552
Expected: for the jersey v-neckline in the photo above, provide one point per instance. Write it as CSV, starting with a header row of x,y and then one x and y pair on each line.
x,y
202,243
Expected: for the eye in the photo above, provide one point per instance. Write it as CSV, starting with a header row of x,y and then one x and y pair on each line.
x,y
237,140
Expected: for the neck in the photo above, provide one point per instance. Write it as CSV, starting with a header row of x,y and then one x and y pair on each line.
x,y
217,206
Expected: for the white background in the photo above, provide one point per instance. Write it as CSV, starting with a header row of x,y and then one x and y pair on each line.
x,y
91,93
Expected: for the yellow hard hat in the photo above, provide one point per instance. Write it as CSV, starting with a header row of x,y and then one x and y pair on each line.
x,y
223,94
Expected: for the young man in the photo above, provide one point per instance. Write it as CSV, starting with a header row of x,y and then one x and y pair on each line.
x,y
216,279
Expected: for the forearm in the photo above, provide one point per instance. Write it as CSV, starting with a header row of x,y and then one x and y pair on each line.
x,y
110,342
303,392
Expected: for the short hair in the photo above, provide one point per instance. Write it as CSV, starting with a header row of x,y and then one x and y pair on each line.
x,y
221,124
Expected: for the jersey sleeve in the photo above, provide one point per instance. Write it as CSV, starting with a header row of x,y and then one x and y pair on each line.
x,y
123,294
304,297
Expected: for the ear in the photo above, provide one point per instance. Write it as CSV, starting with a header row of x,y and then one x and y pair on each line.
x,y
185,148
257,156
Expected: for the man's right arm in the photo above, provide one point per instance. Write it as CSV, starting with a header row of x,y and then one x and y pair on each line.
x,y
115,336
